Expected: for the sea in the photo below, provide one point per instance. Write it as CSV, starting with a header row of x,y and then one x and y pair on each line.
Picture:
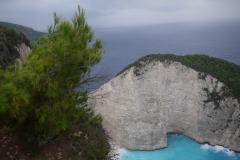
x,y
124,45
181,148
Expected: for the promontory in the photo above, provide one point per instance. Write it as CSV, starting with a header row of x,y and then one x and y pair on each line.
x,y
194,95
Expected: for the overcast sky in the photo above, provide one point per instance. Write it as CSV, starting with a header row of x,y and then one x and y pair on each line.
x,y
38,14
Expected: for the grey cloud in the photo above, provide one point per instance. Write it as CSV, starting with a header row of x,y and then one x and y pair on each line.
x,y
38,13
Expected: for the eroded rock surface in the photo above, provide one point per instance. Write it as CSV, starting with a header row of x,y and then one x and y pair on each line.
x,y
23,51
139,111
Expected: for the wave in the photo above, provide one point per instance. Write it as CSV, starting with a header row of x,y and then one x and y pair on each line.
x,y
218,149
121,152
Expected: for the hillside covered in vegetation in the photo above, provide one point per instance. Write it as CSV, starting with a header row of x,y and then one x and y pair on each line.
x,y
226,72
31,34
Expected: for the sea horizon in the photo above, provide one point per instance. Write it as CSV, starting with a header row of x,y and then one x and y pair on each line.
x,y
125,45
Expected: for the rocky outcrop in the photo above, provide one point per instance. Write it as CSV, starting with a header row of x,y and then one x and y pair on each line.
x,y
23,51
139,111
14,47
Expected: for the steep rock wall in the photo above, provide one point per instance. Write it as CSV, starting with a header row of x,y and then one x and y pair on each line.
x,y
23,51
139,111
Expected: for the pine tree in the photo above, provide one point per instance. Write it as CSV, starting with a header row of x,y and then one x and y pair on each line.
x,y
40,98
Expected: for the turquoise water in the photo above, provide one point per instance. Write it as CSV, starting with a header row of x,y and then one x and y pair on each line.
x,y
181,148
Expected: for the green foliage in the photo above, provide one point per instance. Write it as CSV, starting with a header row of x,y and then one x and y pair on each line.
x,y
224,71
39,98
14,99
202,75
214,97
217,96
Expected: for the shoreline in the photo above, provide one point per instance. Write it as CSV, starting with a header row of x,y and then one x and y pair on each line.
x,y
114,150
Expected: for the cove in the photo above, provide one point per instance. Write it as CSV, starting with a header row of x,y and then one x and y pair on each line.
x,y
181,148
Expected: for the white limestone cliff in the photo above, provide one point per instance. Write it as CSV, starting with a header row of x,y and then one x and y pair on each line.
x,y
139,111
23,51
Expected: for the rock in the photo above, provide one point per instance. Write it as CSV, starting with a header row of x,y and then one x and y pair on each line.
x,y
23,50
139,111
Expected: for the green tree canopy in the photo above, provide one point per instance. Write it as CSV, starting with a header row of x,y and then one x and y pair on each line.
x,y
39,98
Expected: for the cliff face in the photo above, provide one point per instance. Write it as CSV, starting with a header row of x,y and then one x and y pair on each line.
x,y
139,111
23,51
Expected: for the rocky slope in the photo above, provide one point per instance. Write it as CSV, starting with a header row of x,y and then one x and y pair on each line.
x,y
13,46
139,110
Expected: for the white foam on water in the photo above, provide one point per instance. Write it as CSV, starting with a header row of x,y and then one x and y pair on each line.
x,y
218,149
120,152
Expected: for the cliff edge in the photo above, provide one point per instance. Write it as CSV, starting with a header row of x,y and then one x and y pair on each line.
x,y
167,96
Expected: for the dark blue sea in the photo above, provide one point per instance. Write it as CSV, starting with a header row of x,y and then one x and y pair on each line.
x,y
123,46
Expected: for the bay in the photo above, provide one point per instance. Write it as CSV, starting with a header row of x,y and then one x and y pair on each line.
x,y
181,148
